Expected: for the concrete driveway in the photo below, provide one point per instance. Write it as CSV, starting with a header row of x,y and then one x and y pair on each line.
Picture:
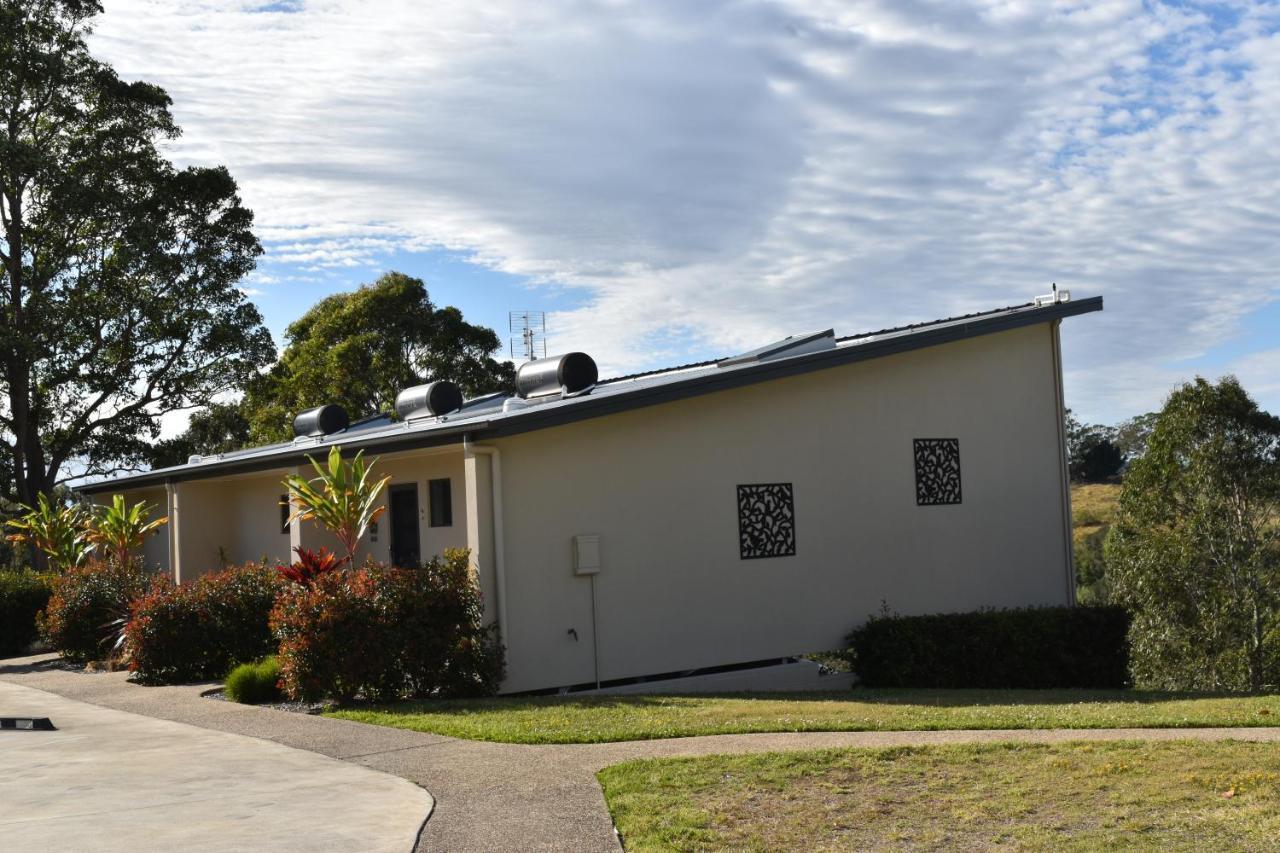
x,y
109,780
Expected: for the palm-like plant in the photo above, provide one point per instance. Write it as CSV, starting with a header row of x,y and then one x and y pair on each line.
x,y
118,529
343,497
55,531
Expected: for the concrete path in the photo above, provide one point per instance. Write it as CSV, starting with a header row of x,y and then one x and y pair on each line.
x,y
108,780
499,797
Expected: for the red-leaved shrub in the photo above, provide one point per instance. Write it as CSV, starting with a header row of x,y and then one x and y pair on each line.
x,y
200,630
311,565
87,603
385,633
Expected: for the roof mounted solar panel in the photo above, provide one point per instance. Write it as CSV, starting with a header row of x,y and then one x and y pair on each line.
x,y
788,346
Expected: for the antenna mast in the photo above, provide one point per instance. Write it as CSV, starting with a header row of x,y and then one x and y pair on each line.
x,y
528,334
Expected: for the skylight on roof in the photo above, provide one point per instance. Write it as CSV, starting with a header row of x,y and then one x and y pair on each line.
x,y
788,346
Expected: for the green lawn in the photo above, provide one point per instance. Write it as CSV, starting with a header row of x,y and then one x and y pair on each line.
x,y
1177,795
615,718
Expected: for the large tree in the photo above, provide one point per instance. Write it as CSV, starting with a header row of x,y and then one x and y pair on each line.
x,y
359,349
1195,548
216,429
119,301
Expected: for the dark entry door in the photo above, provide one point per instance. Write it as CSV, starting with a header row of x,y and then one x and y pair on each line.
x,y
405,547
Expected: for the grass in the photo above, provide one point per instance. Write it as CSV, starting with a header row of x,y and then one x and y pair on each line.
x,y
1176,795
1092,506
615,718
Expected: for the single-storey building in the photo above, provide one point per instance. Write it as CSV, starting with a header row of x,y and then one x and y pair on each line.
x,y
730,511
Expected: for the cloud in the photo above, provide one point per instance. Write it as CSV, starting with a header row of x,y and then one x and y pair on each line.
x,y
711,175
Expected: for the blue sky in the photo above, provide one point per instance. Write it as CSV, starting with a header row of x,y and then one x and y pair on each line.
x,y
485,295
671,181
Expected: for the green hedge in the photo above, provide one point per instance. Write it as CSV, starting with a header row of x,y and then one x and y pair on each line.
x,y
1047,647
87,606
23,594
197,631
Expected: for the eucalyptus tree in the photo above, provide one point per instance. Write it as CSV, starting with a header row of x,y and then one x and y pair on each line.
x,y
119,300
1194,551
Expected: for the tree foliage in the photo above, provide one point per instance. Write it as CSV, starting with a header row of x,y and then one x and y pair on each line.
x,y
1092,456
119,301
1195,548
360,349
217,429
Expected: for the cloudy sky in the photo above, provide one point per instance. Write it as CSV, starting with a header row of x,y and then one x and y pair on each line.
x,y
673,180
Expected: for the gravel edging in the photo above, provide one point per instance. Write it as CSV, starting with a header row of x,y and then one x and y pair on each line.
x,y
313,708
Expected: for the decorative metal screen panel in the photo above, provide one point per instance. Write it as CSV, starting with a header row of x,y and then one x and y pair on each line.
x,y
937,471
766,521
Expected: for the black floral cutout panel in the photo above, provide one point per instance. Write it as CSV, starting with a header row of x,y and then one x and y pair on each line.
x,y
766,521
937,471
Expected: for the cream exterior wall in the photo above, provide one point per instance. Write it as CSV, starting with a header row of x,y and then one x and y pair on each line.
x,y
229,520
658,485
236,519
419,467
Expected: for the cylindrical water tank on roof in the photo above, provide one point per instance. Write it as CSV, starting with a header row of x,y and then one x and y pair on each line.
x,y
569,373
435,398
321,420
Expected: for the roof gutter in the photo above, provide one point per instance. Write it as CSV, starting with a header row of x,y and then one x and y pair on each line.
x,y
249,464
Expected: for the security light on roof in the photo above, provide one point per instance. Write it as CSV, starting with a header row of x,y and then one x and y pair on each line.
x,y
1053,298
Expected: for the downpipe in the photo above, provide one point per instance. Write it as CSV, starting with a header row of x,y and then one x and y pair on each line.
x,y
499,550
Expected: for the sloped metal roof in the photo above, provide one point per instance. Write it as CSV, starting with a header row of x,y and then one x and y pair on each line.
x,y
485,417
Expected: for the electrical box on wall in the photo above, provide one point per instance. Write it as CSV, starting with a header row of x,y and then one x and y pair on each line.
x,y
586,555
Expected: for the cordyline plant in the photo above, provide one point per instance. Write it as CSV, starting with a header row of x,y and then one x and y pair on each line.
x,y
118,529
343,497
58,532
311,565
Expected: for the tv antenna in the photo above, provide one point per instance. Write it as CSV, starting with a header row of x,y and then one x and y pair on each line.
x,y
528,334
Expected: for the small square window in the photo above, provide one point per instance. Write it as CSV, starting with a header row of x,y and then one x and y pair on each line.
x,y
937,471
766,521
284,514
440,495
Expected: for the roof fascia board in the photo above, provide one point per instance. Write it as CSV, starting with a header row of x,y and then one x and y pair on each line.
x,y
409,440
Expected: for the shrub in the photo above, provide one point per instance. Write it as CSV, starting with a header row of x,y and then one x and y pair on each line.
x,y
55,530
386,633
1091,567
254,683
197,631
23,595
1043,647
86,604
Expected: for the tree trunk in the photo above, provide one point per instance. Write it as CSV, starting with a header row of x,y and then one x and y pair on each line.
x,y
1257,657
